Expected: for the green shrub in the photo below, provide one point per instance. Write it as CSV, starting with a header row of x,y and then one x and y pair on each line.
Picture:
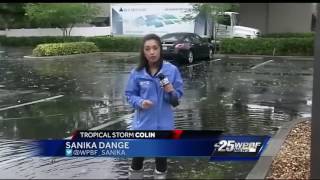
x,y
289,35
104,43
59,49
266,46
34,41
116,44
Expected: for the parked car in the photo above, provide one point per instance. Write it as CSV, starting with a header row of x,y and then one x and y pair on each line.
x,y
186,47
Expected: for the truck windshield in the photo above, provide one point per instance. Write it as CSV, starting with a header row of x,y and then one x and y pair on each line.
x,y
224,19
237,20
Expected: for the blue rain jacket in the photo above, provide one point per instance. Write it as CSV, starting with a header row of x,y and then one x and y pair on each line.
x,y
141,86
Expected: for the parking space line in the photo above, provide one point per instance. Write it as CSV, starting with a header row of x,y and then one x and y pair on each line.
x,y
29,117
215,60
108,123
261,64
111,123
195,64
4,163
29,103
203,62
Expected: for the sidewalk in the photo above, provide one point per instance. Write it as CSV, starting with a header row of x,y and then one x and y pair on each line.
x,y
263,57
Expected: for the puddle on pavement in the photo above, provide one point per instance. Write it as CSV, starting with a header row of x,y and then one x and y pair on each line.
x,y
222,95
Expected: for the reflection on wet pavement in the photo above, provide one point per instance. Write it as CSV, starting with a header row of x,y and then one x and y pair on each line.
x,y
226,95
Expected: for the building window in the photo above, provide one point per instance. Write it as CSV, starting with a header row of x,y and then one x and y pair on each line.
x,y
313,22
101,21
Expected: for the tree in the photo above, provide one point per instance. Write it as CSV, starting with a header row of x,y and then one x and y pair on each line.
x,y
211,10
235,7
12,15
61,15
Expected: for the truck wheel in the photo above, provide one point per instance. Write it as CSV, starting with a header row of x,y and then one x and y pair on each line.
x,y
190,57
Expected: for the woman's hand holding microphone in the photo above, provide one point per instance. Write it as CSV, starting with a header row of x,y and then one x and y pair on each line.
x,y
167,87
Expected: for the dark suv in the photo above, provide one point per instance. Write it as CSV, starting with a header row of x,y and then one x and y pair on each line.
x,y
185,47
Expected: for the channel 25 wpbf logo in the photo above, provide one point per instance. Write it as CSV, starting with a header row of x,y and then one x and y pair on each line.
x,y
233,146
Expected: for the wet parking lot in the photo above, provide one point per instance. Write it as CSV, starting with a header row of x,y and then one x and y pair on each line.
x,y
239,96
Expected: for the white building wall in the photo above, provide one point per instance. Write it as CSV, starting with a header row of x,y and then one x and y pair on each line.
x,y
76,31
254,15
290,17
277,17
268,17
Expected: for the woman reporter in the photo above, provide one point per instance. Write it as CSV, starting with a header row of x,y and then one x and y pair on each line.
x,y
153,89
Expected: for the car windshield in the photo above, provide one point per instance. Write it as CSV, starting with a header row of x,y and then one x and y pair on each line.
x,y
169,16
173,37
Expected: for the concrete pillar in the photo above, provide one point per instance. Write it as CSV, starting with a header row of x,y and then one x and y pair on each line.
x,y
315,125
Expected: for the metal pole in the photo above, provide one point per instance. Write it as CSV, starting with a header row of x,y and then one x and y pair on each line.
x,y
315,125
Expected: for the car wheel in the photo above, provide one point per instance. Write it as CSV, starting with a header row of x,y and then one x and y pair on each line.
x,y
190,57
210,55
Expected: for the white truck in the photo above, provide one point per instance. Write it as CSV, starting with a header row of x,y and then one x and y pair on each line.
x,y
138,19
229,27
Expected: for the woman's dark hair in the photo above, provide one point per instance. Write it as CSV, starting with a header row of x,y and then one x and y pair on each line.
x,y
143,61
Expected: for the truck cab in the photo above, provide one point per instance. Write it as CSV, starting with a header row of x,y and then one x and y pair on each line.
x,y
228,26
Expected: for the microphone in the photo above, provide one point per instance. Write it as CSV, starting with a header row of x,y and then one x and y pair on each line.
x,y
163,82
163,79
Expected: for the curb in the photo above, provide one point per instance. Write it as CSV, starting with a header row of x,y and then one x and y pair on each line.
x,y
264,57
135,54
120,55
261,168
